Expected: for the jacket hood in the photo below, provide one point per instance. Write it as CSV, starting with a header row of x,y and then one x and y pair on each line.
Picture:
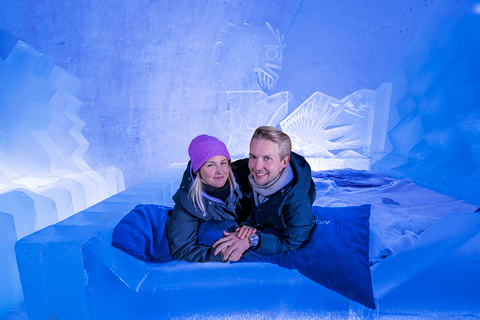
x,y
301,171
181,197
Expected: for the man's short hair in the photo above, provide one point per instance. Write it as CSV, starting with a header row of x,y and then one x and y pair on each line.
x,y
278,136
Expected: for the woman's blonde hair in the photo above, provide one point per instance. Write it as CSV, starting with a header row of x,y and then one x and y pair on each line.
x,y
197,188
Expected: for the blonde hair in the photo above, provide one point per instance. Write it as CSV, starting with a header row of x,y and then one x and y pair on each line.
x,y
196,189
275,135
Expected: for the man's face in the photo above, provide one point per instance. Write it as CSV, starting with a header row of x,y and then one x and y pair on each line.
x,y
265,163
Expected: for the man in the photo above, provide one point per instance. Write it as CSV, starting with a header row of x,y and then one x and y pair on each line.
x,y
279,186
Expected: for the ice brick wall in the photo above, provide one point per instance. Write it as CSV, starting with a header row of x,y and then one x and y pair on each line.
x,y
436,141
43,177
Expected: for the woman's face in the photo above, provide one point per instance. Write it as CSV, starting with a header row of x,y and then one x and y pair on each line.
x,y
215,171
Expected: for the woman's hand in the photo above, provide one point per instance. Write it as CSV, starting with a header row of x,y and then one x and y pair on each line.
x,y
245,232
231,246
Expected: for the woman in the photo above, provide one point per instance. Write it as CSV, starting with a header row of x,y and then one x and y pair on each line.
x,y
208,192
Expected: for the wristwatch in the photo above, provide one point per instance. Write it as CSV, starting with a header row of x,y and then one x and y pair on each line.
x,y
254,240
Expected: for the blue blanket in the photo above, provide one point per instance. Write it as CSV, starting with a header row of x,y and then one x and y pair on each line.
x,y
335,254
141,233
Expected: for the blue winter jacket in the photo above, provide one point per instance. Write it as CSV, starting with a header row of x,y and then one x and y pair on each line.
x,y
285,219
184,221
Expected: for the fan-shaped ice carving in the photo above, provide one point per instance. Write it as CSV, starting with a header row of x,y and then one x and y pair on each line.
x,y
328,128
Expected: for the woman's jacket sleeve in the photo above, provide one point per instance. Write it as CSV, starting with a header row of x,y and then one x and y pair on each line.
x,y
182,231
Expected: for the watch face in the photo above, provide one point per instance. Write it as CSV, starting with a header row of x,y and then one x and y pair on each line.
x,y
254,240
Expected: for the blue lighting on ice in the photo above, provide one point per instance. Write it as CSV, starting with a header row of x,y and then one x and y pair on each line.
x,y
99,101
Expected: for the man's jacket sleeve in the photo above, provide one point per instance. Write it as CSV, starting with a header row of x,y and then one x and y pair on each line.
x,y
298,220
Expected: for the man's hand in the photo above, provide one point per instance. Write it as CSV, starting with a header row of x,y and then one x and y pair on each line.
x,y
231,246
245,232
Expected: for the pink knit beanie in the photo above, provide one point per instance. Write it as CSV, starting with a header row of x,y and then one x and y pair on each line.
x,y
203,148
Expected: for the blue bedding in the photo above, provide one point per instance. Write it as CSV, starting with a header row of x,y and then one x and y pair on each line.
x,y
336,254
141,233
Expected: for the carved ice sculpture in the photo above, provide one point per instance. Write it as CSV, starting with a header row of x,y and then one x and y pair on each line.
x,y
334,133
240,113
250,57
331,133
248,62
41,144
43,177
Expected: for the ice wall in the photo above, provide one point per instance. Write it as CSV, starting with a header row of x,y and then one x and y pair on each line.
x,y
43,177
151,83
436,141
332,133
250,58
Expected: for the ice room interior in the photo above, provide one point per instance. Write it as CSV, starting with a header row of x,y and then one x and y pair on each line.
x,y
99,101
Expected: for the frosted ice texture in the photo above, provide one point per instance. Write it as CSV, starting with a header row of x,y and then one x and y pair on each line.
x,y
51,260
421,286
239,113
322,127
400,210
41,144
334,133
81,233
436,143
40,129
248,62
43,177
94,280
469,126
250,57
10,288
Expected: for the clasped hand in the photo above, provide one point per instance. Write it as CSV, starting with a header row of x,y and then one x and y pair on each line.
x,y
234,244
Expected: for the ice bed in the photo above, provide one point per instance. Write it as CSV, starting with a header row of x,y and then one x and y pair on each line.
x,y
423,257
